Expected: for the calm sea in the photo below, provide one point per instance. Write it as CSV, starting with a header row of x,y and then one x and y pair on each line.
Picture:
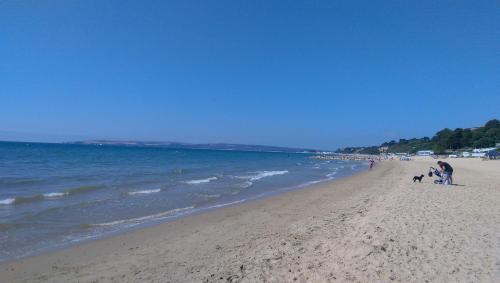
x,y
53,195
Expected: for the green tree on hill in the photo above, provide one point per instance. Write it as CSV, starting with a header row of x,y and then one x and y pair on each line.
x,y
492,124
446,139
442,138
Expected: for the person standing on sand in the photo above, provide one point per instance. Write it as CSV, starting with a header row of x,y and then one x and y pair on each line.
x,y
447,172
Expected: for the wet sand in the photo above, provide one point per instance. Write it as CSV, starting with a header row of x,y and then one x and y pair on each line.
x,y
375,226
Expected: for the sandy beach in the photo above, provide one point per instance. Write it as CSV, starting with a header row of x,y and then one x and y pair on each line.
x,y
377,226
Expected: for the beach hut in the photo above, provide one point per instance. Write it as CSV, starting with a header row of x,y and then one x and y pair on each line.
x,y
425,152
481,152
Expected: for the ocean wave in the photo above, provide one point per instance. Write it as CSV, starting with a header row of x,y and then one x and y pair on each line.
x,y
52,195
263,174
33,198
27,199
139,220
200,181
331,174
144,192
7,201
55,195
246,184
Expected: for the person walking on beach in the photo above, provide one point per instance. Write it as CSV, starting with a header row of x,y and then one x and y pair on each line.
x,y
447,172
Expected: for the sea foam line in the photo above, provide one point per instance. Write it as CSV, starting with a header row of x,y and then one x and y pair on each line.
x,y
246,184
138,220
331,174
51,195
200,181
56,195
262,174
144,192
7,201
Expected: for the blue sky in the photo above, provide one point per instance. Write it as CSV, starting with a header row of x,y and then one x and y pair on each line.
x,y
319,74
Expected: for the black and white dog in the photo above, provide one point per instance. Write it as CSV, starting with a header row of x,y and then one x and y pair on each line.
x,y
419,178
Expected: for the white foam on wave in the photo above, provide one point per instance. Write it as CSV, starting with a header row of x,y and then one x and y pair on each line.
x,y
246,184
144,192
331,174
138,220
55,195
7,201
226,204
201,181
263,174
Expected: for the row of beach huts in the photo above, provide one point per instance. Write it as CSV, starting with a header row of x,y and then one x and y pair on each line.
x,y
485,153
490,153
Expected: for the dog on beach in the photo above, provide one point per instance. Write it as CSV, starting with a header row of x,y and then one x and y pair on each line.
x,y
419,178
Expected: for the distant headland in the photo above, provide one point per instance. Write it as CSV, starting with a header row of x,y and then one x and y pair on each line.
x,y
182,145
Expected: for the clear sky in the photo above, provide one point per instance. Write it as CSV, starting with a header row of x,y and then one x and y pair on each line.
x,y
318,74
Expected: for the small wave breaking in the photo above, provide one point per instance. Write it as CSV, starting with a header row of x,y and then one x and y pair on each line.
x,y
47,196
21,200
246,184
263,174
200,181
144,192
7,201
331,174
55,195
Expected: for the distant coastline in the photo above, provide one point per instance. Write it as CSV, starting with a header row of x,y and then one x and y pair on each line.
x,y
182,145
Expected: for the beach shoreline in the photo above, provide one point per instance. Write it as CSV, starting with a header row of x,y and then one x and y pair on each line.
x,y
183,212
91,192
340,230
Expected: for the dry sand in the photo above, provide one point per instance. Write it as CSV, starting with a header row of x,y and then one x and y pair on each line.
x,y
376,226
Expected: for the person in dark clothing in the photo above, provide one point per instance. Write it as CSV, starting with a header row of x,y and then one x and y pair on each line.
x,y
447,172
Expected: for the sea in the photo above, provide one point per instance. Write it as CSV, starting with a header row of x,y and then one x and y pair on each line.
x,y
56,195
